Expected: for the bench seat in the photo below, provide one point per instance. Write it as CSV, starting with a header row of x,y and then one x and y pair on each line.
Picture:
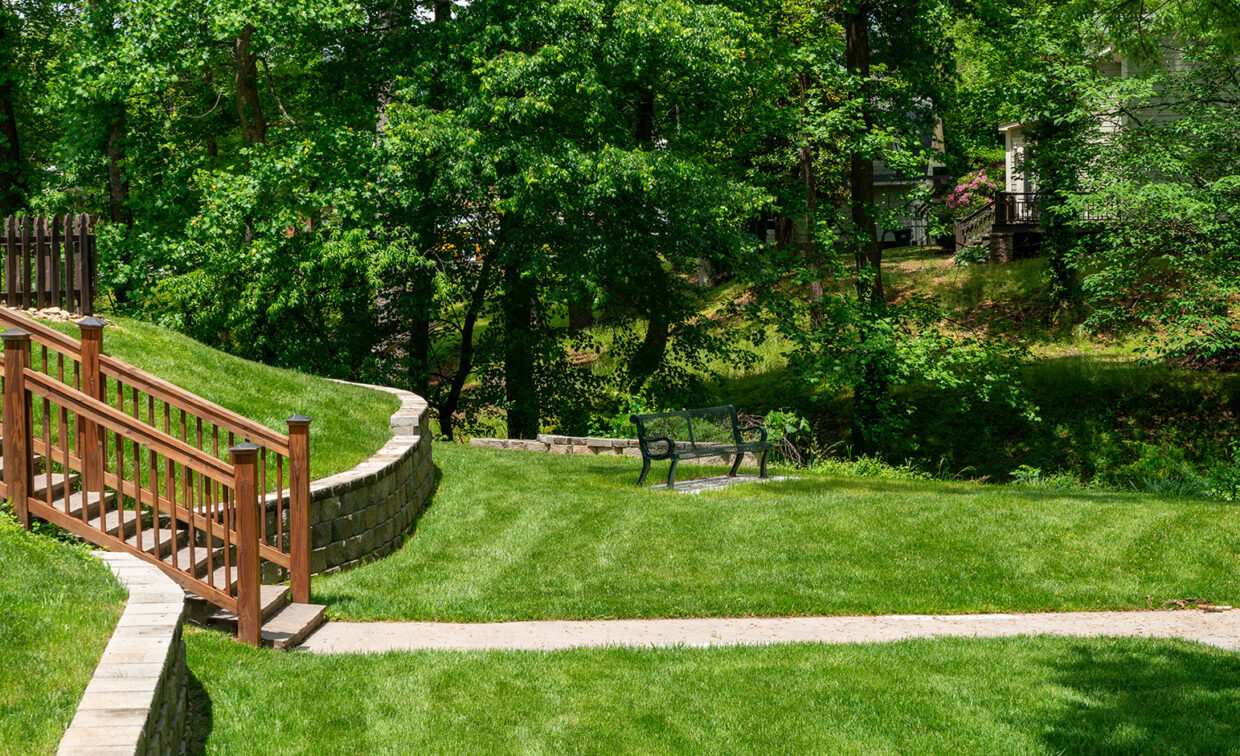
x,y
696,433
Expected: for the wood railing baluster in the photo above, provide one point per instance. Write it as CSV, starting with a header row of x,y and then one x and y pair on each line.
x,y
280,506
262,495
46,426
74,438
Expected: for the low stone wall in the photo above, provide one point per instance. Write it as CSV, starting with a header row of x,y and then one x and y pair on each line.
x,y
366,512
136,702
616,447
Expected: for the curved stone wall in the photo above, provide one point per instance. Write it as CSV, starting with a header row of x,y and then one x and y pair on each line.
x,y
366,512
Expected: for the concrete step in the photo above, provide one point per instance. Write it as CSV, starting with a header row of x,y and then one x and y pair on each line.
x,y
272,598
36,460
158,541
78,499
39,486
292,624
195,563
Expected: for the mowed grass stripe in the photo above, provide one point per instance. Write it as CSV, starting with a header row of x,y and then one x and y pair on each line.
x,y
517,535
996,696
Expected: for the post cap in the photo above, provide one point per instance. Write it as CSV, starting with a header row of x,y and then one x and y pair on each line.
x,y
15,334
298,420
245,447
91,322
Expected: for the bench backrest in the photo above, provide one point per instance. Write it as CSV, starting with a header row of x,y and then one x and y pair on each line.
x,y
695,427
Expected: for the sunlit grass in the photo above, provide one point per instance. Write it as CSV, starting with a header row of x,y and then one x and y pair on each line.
x,y
349,422
519,535
949,696
58,606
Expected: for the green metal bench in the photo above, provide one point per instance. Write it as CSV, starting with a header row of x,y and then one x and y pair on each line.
x,y
696,433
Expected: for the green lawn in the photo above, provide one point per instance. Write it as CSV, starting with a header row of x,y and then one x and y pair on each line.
x,y
1018,696
350,423
58,606
518,535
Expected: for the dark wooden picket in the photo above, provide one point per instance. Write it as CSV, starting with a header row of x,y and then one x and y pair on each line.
x,y
50,262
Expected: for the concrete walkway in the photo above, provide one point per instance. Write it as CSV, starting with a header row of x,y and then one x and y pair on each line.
x,y
1217,628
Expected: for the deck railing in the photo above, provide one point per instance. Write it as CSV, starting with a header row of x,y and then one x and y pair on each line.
x,y
973,229
1017,209
164,459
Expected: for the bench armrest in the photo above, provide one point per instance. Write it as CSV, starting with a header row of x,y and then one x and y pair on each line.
x,y
750,428
671,445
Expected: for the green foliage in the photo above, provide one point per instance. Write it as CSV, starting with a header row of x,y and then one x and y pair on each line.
x,y
976,254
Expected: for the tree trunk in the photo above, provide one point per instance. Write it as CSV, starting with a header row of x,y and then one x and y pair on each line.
x,y
417,307
12,175
466,363
245,78
706,273
869,253
118,182
649,356
519,308
580,315
803,228
871,394
114,150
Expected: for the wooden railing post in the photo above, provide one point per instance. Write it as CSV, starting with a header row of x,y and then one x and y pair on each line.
x,y
299,507
18,465
92,385
245,499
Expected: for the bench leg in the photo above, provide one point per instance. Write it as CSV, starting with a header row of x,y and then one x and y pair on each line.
x,y
671,474
762,467
645,471
736,465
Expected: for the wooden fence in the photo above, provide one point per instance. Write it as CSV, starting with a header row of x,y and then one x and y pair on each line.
x,y
50,262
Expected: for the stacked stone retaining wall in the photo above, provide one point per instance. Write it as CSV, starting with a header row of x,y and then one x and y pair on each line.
x,y
367,512
615,447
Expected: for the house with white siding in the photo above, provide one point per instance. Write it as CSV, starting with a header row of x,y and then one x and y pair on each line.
x,y
1009,225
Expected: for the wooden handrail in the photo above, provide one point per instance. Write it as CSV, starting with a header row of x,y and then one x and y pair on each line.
x,y
988,207
226,503
130,427
41,333
153,385
204,408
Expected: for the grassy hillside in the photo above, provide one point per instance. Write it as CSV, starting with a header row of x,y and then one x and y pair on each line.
x,y
349,422
59,606
1106,413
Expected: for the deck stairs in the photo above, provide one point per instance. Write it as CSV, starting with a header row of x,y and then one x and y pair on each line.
x,y
171,488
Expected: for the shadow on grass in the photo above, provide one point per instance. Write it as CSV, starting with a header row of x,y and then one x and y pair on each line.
x,y
199,715
1147,699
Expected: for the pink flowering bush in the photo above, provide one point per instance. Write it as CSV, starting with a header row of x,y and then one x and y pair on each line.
x,y
971,192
